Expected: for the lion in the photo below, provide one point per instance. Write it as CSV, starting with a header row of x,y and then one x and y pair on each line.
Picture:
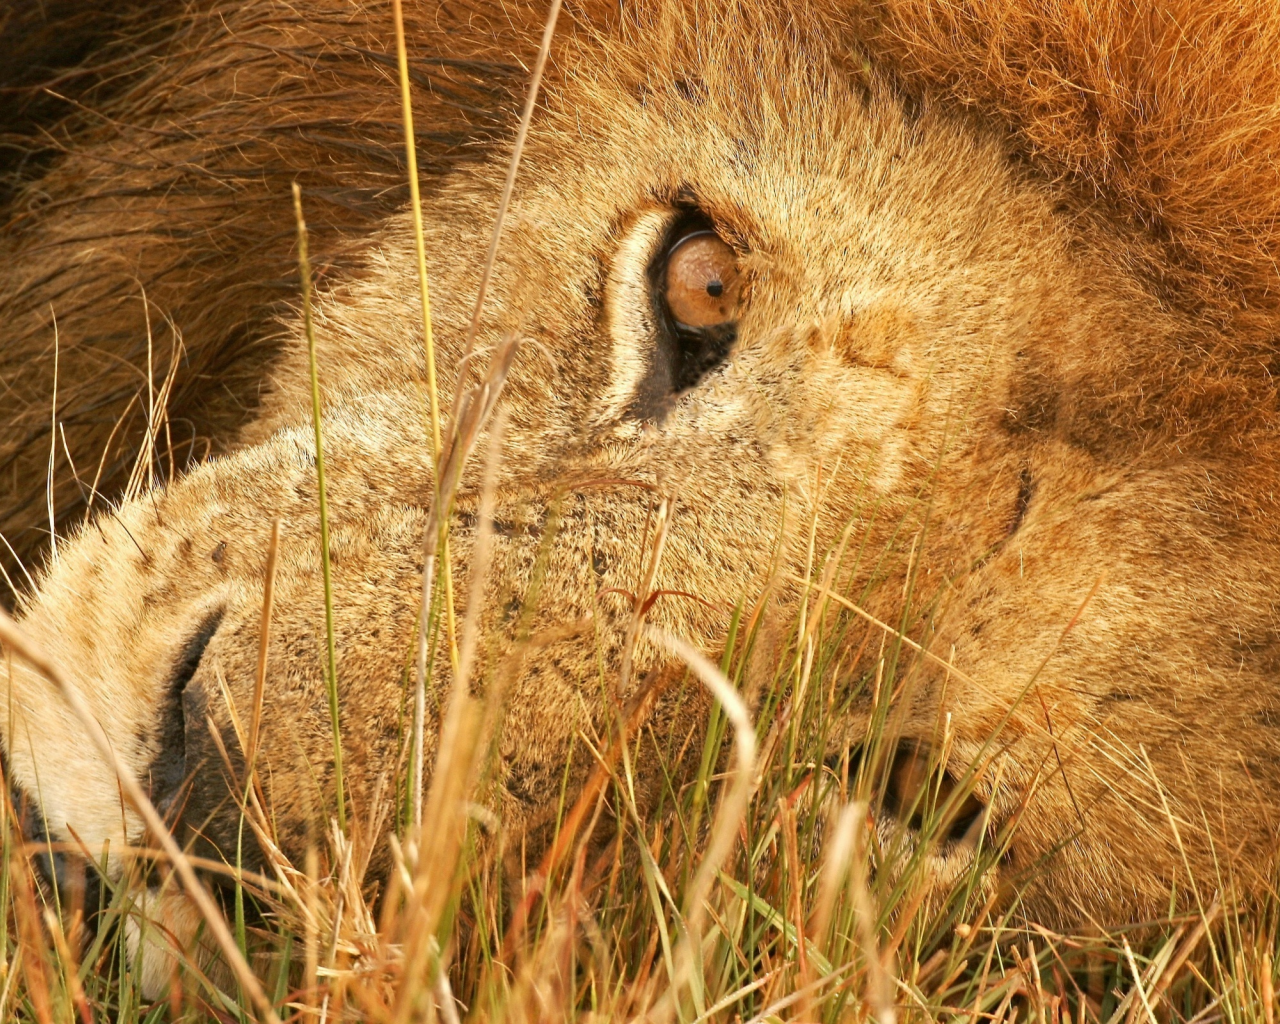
x,y
986,292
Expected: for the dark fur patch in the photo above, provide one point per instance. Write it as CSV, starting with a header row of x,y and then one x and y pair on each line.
x,y
54,55
204,810
168,769
1026,491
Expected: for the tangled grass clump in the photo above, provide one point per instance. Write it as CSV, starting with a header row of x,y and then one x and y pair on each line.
x,y
807,916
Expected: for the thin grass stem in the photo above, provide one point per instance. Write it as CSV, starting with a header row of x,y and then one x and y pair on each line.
x,y
264,643
419,238
331,681
424,291
53,450
508,187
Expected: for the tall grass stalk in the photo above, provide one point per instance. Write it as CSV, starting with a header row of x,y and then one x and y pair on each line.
x,y
419,238
429,568
53,440
688,958
264,647
508,188
429,351
331,663
438,546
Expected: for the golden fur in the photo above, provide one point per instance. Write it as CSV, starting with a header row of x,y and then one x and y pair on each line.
x,y
1011,311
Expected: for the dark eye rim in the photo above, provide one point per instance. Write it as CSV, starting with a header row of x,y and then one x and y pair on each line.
x,y
689,352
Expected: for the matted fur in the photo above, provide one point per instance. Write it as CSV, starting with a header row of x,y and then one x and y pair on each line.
x,y
1010,312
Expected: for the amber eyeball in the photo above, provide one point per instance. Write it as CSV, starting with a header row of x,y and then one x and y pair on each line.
x,y
702,282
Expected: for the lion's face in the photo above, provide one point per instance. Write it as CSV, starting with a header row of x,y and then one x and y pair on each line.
x,y
769,314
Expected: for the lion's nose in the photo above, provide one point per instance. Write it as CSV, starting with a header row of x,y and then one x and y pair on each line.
x,y
917,791
912,787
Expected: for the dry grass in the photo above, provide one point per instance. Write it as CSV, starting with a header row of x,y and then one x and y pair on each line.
x,y
760,891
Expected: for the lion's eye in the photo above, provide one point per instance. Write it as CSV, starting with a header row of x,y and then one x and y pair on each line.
x,y
702,281
677,321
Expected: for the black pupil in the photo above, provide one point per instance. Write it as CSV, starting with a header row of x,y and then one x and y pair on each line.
x,y
715,289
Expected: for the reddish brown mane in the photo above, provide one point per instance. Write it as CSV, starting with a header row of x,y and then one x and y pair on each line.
x,y
1172,111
